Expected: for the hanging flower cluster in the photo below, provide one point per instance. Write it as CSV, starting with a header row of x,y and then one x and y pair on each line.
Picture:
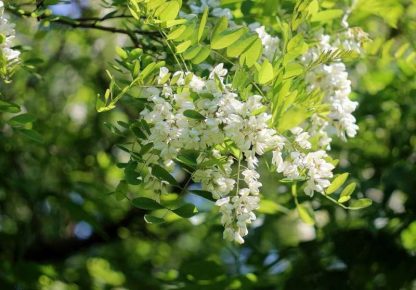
x,y
187,112
283,100
8,55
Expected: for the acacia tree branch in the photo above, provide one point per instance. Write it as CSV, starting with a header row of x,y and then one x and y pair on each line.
x,y
86,23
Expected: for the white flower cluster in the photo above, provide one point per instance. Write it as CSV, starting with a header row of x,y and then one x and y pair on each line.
x,y
332,80
216,11
7,35
270,43
222,122
302,163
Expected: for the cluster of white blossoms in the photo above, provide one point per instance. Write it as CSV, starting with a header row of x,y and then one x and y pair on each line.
x,y
332,80
213,5
7,35
229,132
270,43
186,112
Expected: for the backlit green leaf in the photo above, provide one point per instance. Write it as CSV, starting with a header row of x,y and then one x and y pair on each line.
x,y
337,183
193,115
226,38
163,174
186,211
360,203
266,72
146,203
202,24
346,193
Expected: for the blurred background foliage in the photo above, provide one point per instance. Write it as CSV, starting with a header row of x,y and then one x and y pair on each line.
x,y
61,229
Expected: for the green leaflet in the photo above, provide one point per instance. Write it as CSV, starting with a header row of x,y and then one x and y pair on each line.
x,y
292,70
193,115
168,11
162,174
186,211
327,15
202,193
220,27
146,203
360,203
346,193
176,33
202,24
192,52
265,73
9,107
21,119
150,219
203,55
226,38
337,183
292,118
238,47
183,46
252,54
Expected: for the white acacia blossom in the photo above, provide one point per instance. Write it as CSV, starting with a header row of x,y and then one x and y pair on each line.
x,y
225,118
230,131
332,80
7,36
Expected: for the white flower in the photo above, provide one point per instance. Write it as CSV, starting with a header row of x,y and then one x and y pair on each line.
x,y
301,138
270,43
197,84
8,34
219,71
219,12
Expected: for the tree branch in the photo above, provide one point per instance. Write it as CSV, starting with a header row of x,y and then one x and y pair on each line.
x,y
84,23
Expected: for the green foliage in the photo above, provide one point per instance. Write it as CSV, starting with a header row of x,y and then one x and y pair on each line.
x,y
52,192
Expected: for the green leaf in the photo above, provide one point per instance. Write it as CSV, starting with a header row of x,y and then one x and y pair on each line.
x,y
327,15
192,52
186,211
346,193
202,24
203,193
292,118
121,190
252,54
131,175
226,38
193,115
292,70
31,134
9,107
163,174
176,33
305,214
269,207
168,11
121,53
266,72
150,219
337,183
21,119
183,46
146,203
360,203
238,47
222,25
203,55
